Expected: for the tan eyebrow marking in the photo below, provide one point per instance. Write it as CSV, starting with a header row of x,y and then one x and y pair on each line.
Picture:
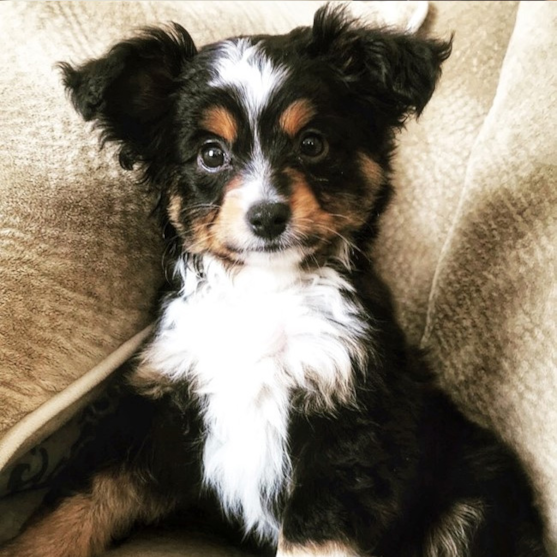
x,y
296,116
221,122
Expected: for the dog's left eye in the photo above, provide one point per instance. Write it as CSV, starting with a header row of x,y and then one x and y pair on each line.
x,y
212,156
313,145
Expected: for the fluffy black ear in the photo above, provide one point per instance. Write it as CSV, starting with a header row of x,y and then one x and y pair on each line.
x,y
393,71
128,91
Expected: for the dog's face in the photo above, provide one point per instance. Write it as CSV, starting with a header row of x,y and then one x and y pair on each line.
x,y
273,145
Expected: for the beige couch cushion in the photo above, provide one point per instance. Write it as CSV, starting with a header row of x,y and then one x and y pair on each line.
x,y
470,245
432,160
492,313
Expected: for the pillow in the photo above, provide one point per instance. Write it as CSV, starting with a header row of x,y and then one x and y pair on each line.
x,y
491,324
469,244
432,159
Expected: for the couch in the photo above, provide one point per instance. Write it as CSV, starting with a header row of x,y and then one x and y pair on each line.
x,y
468,247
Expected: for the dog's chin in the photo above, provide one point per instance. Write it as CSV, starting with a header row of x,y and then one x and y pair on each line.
x,y
271,256
285,257
280,253
270,253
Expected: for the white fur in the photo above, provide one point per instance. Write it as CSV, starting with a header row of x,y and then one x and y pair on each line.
x,y
245,341
256,185
243,66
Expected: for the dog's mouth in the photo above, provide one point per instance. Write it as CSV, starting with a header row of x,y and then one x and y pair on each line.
x,y
270,249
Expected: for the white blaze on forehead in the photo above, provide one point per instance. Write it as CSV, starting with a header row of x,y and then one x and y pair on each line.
x,y
243,66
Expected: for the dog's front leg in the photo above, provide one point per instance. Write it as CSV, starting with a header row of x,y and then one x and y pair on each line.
x,y
85,523
346,496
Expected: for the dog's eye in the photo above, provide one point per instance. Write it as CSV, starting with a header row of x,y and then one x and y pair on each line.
x,y
313,145
212,156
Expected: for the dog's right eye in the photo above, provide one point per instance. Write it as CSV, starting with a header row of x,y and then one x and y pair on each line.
x,y
212,156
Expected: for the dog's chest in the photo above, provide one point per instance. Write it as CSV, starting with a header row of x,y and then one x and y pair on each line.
x,y
246,347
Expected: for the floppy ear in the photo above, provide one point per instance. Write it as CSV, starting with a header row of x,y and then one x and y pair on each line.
x,y
393,71
128,91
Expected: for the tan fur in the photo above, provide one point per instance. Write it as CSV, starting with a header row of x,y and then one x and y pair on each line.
x,y
174,211
372,171
346,211
231,220
201,233
452,535
307,214
326,549
215,231
296,116
150,382
221,122
84,525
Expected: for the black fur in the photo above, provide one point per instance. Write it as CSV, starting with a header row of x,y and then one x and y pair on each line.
x,y
381,475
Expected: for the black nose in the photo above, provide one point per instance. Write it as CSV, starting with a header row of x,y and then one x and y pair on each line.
x,y
268,220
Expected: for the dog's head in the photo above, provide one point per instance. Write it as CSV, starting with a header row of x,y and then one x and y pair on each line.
x,y
275,145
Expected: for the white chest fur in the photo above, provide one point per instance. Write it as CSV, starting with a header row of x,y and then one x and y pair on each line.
x,y
246,342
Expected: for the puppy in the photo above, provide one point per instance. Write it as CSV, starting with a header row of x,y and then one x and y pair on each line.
x,y
278,384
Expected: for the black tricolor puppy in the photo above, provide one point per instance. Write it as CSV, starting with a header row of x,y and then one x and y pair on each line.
x,y
278,382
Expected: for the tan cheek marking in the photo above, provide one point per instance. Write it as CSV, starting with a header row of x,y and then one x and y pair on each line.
x,y
201,232
230,224
371,170
175,211
233,184
296,116
352,208
221,122
307,214
219,228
